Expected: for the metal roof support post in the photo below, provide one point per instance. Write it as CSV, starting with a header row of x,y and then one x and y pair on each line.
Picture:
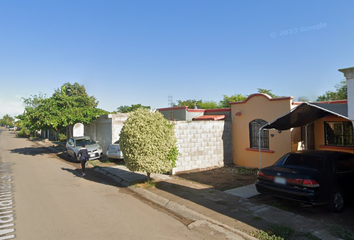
x,y
259,145
259,148
353,133
307,145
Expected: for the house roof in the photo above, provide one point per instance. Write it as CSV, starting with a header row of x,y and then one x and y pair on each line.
x,y
209,118
307,113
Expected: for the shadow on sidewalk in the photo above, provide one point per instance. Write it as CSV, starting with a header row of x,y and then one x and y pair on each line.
x,y
92,175
211,202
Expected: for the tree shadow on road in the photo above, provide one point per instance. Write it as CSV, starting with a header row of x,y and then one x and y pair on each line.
x,y
31,151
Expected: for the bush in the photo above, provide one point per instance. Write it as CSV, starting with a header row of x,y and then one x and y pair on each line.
x,y
24,132
62,137
148,142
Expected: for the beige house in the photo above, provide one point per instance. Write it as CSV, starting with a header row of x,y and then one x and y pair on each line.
x,y
264,129
248,117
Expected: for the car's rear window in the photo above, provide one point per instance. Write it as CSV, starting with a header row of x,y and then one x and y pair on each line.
x,y
86,141
307,161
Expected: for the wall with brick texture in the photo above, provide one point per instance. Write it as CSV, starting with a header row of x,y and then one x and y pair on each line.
x,y
203,144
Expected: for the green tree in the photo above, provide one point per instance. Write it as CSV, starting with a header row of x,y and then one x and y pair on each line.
x,y
133,107
208,105
148,142
268,92
225,103
339,94
68,105
76,90
191,103
7,120
303,99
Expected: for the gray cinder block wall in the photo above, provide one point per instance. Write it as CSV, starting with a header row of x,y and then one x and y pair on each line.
x,y
203,144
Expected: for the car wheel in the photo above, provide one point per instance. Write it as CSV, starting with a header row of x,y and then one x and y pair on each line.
x,y
336,202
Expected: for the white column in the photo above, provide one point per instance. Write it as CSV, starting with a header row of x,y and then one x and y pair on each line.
x,y
349,75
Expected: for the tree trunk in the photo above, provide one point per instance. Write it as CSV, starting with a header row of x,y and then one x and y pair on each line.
x,y
148,177
70,132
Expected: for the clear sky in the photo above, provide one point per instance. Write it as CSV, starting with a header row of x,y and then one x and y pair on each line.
x,y
143,51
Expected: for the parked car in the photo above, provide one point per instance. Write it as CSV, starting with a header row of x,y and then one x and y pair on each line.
x,y
12,128
114,151
73,145
311,177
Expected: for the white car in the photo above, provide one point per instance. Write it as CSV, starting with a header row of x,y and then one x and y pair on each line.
x,y
12,128
74,144
114,151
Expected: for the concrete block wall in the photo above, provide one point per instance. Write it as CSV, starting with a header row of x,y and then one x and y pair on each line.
x,y
203,144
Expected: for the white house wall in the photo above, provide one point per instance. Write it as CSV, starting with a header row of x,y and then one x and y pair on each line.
x,y
106,129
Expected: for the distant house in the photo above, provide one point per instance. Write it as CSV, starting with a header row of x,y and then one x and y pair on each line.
x,y
106,129
186,114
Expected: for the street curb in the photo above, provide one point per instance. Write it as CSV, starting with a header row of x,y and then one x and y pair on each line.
x,y
179,209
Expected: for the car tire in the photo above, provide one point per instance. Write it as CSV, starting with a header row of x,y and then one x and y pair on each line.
x,y
336,202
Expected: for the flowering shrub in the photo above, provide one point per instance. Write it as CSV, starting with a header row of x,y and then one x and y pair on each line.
x,y
148,142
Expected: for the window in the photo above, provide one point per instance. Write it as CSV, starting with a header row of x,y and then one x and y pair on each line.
x,y
254,127
338,134
298,160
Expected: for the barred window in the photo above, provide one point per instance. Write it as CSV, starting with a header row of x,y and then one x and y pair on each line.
x,y
254,127
338,134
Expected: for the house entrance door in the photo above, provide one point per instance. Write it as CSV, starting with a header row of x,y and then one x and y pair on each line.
x,y
307,136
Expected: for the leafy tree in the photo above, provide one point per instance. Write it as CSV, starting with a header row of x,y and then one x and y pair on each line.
x,y
76,90
7,120
208,105
63,109
148,142
303,99
133,107
189,103
339,94
225,103
268,92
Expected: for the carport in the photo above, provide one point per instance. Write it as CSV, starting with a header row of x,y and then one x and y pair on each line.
x,y
304,114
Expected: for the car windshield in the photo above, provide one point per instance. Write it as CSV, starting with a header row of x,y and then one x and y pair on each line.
x,y
307,161
86,141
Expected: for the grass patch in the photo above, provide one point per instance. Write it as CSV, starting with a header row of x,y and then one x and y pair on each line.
x,y
309,236
257,218
280,232
341,232
145,185
246,171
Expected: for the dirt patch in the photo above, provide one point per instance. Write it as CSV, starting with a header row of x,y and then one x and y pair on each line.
x,y
223,178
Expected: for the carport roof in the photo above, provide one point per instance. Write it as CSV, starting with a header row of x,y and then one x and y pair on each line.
x,y
307,113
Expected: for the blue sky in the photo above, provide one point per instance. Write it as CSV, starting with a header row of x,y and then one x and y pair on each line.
x,y
139,51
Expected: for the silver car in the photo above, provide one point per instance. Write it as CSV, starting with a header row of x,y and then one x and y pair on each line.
x,y
74,144
114,151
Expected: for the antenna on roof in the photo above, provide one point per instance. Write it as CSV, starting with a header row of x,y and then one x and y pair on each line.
x,y
171,105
